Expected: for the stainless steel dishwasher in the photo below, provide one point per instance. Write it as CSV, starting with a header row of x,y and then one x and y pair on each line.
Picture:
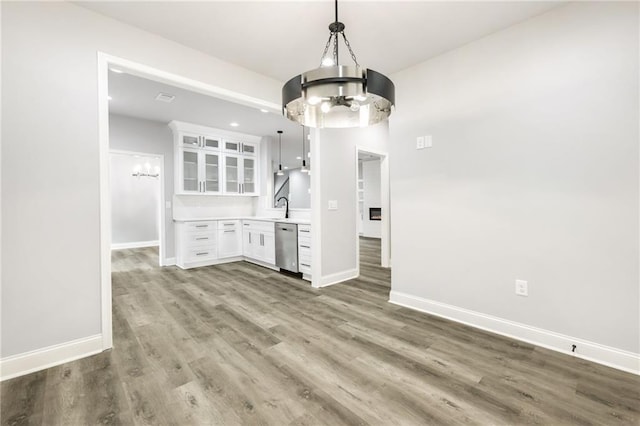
x,y
287,246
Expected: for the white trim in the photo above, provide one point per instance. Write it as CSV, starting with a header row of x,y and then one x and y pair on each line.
x,y
385,201
316,210
169,261
105,200
105,60
339,277
590,351
29,362
135,244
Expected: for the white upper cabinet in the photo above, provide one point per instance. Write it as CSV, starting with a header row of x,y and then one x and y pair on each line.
x,y
215,162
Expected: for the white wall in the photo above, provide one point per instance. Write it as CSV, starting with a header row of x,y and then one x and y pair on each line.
x,y
337,172
533,175
150,137
51,215
135,201
372,198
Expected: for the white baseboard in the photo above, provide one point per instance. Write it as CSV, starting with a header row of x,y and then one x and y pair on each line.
x,y
40,359
169,261
339,277
135,244
591,351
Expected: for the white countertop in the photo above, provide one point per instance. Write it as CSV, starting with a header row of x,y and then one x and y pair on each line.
x,y
266,219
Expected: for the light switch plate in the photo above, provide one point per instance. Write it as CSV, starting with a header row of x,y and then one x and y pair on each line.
x,y
333,204
428,141
420,142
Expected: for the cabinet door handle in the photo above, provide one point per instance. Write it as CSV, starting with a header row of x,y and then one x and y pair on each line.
x,y
304,264
305,246
249,237
202,226
202,238
202,254
229,224
204,186
231,230
304,231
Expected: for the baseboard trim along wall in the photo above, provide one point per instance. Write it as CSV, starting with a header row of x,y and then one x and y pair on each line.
x,y
169,261
135,244
591,351
40,359
339,277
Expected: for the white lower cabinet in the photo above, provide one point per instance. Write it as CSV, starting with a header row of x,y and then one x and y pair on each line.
x,y
304,250
229,239
258,241
196,243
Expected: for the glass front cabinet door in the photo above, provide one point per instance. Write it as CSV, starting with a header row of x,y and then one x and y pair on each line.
x,y
199,172
232,174
249,186
190,181
211,173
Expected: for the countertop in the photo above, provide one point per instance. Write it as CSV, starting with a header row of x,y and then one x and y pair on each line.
x,y
265,219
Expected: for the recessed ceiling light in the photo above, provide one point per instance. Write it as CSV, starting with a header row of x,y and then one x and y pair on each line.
x,y
263,110
165,97
286,167
234,124
109,97
298,158
117,71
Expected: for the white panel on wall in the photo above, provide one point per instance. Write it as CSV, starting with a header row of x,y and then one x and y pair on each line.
x,y
135,201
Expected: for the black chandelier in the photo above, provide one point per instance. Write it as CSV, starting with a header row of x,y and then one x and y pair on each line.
x,y
338,96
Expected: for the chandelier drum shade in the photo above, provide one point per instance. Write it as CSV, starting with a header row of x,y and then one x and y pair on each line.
x,y
338,96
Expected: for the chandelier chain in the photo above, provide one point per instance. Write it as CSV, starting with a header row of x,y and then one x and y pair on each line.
x,y
326,48
346,42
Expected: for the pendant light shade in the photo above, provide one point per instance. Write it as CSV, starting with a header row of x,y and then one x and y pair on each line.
x,y
280,172
338,96
303,169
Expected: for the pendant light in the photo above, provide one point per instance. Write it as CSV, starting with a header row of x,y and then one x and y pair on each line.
x,y
280,172
338,96
303,169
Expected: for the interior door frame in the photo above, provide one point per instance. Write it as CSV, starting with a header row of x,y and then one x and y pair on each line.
x,y
162,241
385,201
104,62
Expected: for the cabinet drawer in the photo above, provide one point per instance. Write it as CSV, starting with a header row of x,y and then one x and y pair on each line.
x,y
201,226
304,231
258,225
304,267
228,224
304,253
304,240
202,253
199,239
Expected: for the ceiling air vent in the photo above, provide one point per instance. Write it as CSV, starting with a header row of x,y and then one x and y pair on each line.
x,y
165,97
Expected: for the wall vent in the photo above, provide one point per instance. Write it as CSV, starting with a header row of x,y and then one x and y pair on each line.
x,y
165,97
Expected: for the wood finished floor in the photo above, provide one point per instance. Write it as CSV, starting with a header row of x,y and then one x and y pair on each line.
x,y
238,344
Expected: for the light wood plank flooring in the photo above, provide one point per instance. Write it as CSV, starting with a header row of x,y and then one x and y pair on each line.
x,y
238,344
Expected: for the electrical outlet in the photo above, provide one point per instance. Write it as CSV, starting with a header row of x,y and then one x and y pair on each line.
x,y
333,204
522,288
420,142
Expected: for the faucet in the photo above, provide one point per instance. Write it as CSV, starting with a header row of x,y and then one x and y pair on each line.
x,y
286,212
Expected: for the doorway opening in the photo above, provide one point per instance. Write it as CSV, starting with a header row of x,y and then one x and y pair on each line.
x,y
137,196
372,201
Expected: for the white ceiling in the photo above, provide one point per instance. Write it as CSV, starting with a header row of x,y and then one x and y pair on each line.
x,y
135,97
283,38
